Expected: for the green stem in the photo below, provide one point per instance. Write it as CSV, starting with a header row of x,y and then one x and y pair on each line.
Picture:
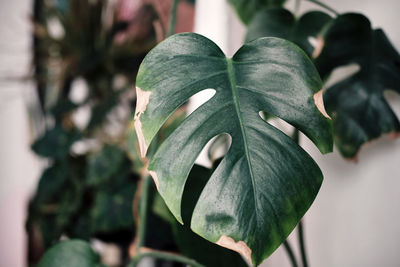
x,y
172,19
324,6
165,256
302,245
297,7
290,253
143,203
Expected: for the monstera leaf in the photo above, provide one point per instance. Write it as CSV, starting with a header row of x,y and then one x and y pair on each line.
x,y
280,22
357,105
246,9
70,253
266,182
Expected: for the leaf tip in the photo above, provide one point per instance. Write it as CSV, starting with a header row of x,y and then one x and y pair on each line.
x,y
239,246
141,105
319,102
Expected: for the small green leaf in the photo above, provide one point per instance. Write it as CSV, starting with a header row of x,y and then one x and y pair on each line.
x,y
246,9
104,164
266,182
357,105
112,207
56,143
72,253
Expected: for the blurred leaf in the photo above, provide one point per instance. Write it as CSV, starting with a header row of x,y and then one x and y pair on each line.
x,y
101,109
103,164
280,22
112,207
56,143
246,9
62,108
357,105
51,183
71,253
347,39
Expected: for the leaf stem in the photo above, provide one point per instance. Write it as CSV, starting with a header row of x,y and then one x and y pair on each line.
x,y
302,244
297,7
324,6
172,18
165,256
290,253
143,203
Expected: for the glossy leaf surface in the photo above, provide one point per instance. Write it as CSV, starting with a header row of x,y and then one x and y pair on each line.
x,y
266,182
246,9
280,22
357,105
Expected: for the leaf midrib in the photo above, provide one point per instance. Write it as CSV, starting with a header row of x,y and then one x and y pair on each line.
x,y
232,81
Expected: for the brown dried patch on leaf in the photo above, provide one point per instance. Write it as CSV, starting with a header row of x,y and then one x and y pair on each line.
x,y
240,246
318,46
319,102
393,135
141,105
155,178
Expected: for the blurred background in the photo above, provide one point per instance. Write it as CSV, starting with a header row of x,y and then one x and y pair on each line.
x,y
89,56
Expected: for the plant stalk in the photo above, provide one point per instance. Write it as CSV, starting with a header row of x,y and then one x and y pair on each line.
x,y
164,256
324,6
297,7
143,206
290,253
302,244
172,19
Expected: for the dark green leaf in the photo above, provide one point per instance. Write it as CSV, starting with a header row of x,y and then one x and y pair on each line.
x,y
112,207
266,182
104,164
357,106
56,143
279,22
51,183
72,253
348,39
246,9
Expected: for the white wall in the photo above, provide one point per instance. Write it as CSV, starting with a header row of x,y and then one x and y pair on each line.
x,y
354,220
19,169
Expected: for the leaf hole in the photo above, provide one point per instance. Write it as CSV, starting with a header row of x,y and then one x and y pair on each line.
x,y
199,99
341,73
199,175
278,123
393,99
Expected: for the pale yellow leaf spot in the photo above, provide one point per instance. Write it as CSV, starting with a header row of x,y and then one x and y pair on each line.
x,y
319,102
141,105
240,246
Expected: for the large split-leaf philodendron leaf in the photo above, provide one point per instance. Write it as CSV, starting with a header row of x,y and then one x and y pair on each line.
x,y
266,182
357,105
